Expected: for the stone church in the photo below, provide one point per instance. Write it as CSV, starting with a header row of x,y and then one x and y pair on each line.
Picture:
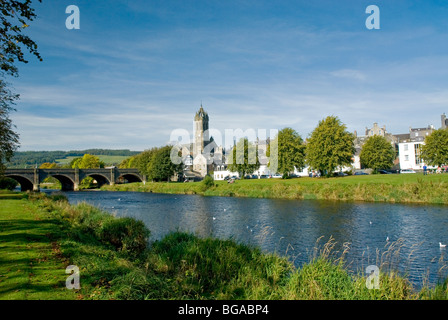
x,y
203,149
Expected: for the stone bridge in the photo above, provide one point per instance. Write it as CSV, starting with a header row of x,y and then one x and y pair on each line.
x,y
30,179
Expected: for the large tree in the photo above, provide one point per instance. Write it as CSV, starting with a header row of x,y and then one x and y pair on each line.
x,y
377,153
9,139
244,158
15,15
160,167
330,146
287,150
435,149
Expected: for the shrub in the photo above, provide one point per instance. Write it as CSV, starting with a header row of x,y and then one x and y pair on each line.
x,y
125,234
7,183
208,182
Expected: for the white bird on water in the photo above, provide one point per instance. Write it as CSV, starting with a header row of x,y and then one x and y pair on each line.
x,y
387,238
442,245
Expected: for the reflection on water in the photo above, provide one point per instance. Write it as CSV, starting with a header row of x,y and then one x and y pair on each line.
x,y
292,227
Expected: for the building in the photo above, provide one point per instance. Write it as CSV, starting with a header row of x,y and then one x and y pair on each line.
x,y
409,155
444,121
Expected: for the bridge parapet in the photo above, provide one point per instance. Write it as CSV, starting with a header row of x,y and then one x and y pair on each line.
x,y
30,179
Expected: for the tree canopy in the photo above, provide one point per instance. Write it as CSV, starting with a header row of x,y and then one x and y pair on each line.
x,y
161,168
9,139
377,153
15,16
435,149
88,161
288,150
330,146
244,157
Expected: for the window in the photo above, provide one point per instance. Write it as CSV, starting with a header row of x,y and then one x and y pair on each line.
x,y
417,151
406,158
405,147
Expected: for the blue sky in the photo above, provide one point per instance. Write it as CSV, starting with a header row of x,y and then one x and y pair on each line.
x,y
136,70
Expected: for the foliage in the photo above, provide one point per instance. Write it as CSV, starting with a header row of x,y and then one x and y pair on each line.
x,y
377,153
7,183
288,150
143,160
48,165
160,167
208,182
88,161
125,234
330,146
9,139
15,16
435,149
244,158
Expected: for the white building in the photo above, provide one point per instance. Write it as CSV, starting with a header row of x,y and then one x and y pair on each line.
x,y
409,155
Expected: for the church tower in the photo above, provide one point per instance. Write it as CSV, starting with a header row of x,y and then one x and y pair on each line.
x,y
201,137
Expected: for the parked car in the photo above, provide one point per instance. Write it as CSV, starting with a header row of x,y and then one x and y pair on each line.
x,y
340,174
407,171
276,176
384,172
263,176
234,178
360,173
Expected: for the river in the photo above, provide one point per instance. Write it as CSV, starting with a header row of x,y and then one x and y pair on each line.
x,y
403,236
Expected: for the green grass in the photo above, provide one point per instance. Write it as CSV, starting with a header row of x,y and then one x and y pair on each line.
x,y
6,194
41,236
395,188
30,267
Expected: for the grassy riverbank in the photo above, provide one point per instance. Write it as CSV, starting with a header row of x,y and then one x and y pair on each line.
x,y
40,237
395,188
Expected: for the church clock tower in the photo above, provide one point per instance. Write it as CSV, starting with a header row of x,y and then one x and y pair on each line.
x,y
201,137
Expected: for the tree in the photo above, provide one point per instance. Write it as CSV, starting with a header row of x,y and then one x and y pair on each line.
x,y
48,165
330,146
435,149
244,158
377,153
88,161
15,16
160,167
141,161
288,150
9,140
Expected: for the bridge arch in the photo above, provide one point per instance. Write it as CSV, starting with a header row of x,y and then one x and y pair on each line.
x,y
67,184
100,179
25,183
130,177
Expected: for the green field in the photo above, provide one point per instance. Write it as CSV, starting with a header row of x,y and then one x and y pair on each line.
x,y
399,188
108,160
30,267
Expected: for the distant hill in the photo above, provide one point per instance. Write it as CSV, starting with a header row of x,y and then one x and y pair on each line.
x,y
27,159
